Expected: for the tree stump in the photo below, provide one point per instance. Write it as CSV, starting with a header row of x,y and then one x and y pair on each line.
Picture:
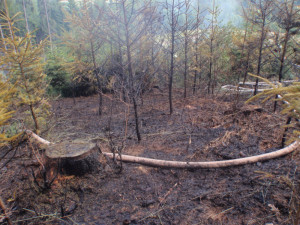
x,y
73,158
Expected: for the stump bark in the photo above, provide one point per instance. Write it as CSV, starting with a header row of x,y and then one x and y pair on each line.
x,y
72,158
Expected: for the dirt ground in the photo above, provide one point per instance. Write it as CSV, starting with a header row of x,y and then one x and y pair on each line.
x,y
201,128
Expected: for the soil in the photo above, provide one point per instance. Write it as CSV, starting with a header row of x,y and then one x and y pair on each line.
x,y
202,128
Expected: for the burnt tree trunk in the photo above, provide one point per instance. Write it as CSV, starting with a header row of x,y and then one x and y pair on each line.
x,y
173,27
130,73
196,73
285,44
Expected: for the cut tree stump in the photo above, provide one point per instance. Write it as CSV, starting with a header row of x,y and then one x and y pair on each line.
x,y
73,158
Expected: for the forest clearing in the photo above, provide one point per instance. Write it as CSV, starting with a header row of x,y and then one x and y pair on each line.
x,y
149,112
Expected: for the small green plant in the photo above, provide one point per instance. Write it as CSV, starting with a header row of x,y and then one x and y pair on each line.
x,y
59,78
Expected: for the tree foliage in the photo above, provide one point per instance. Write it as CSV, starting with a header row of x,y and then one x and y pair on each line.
x,y
23,62
6,92
290,96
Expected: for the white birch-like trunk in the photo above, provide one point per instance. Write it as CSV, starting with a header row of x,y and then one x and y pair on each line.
x,y
48,24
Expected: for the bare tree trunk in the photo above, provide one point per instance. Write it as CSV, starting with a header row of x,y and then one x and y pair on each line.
x,y
285,44
33,115
37,128
130,72
172,56
195,73
283,140
282,61
260,56
186,42
97,77
123,78
196,49
246,66
2,36
48,24
210,86
264,8
136,116
185,65
25,15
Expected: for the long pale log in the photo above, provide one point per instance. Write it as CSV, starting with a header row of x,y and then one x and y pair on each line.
x,y
180,164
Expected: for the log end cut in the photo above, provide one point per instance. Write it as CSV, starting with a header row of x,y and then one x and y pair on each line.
x,y
69,150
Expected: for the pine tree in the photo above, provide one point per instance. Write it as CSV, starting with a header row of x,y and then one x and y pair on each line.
x,y
23,62
84,44
5,114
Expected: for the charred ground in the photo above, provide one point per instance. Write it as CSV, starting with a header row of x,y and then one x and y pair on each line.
x,y
200,129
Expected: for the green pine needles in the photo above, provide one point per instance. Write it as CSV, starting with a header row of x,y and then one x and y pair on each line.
x,y
23,61
290,95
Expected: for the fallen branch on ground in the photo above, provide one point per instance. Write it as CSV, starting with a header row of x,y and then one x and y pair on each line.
x,y
179,164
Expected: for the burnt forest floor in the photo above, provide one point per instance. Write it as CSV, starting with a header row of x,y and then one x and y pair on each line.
x,y
202,128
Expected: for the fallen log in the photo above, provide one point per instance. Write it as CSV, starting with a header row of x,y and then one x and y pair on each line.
x,y
180,164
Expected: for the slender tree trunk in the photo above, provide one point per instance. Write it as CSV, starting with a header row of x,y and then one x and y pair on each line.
x,y
37,127
195,73
196,49
261,44
48,24
172,57
122,75
2,36
210,88
286,40
282,61
136,116
210,75
25,15
97,77
186,47
9,24
130,72
33,115
283,140
246,67
243,48
185,66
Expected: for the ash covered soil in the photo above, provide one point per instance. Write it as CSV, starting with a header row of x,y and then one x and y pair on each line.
x,y
201,128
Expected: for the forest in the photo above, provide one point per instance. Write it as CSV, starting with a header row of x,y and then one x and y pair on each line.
x,y
150,112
